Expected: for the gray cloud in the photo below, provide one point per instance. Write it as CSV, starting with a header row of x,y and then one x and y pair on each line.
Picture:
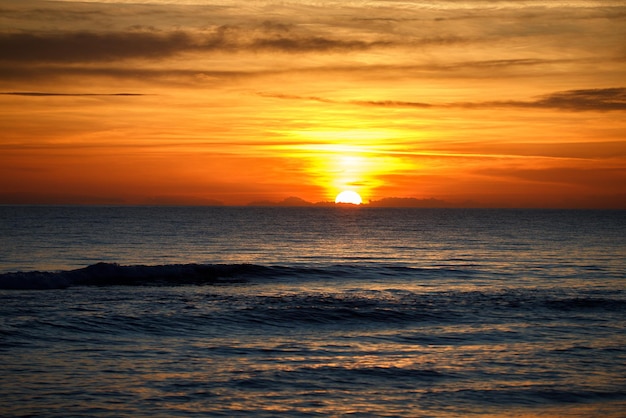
x,y
573,100
89,46
73,47
591,99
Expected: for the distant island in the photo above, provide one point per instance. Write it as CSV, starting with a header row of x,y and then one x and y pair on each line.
x,y
387,202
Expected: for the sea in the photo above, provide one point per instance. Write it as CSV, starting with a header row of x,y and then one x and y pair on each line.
x,y
340,311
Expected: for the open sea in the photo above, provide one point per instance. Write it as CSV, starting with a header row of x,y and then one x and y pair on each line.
x,y
318,311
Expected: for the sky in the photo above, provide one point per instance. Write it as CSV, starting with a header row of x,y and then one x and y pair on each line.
x,y
480,103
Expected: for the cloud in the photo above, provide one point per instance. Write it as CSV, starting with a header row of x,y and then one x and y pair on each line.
x,y
200,73
48,94
83,46
591,99
574,100
89,46
501,63
589,177
31,73
313,44
391,103
607,99
296,97
381,103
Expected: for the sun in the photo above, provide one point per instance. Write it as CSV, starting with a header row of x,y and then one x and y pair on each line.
x,y
350,197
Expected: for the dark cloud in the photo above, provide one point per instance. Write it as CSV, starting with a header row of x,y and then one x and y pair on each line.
x,y
573,100
90,47
591,99
72,47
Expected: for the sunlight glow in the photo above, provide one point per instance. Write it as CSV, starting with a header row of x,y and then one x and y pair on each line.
x,y
350,197
348,160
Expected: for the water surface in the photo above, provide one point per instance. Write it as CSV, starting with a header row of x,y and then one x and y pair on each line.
x,y
311,312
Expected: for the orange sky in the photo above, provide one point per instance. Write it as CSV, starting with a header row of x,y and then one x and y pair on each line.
x,y
497,103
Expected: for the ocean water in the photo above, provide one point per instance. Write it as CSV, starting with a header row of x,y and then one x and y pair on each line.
x,y
367,312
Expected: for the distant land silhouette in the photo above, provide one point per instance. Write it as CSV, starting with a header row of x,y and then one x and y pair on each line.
x,y
185,201
388,202
290,201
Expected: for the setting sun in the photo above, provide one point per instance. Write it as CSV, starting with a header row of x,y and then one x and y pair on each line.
x,y
349,197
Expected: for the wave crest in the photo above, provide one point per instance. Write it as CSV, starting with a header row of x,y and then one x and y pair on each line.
x,y
112,274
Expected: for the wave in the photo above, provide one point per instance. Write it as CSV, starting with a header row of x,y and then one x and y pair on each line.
x,y
113,274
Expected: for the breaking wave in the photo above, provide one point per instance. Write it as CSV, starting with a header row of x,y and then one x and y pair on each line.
x,y
113,274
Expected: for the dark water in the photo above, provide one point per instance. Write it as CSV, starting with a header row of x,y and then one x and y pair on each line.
x,y
143,311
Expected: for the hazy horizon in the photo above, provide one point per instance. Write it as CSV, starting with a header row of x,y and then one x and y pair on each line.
x,y
388,202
